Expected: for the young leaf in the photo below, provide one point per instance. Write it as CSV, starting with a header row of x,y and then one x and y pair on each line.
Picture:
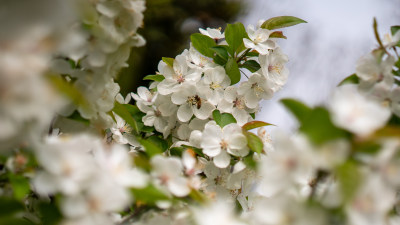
x,y
223,119
251,65
234,34
255,124
281,22
149,195
158,78
232,69
349,178
254,142
299,110
123,111
394,29
352,79
221,51
277,34
152,148
20,186
168,61
203,44
319,128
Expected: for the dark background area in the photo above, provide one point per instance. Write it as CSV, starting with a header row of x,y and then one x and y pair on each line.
x,y
167,27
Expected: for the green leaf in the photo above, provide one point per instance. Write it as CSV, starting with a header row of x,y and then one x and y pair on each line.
x,y
234,34
168,61
10,206
50,214
253,115
232,69
352,79
277,34
349,178
299,110
394,29
223,119
315,123
122,110
158,78
255,124
281,22
254,142
151,146
251,65
319,127
149,195
67,89
221,51
252,54
249,161
203,44
20,185
160,142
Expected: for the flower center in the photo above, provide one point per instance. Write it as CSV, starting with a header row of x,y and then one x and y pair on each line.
x,y
224,145
238,103
194,101
277,68
214,86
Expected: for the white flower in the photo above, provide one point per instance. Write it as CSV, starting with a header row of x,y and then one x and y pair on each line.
x,y
285,169
259,40
212,33
68,166
196,60
355,112
218,213
371,71
391,40
177,75
122,132
191,103
236,105
255,89
273,68
214,83
168,172
144,97
117,162
221,143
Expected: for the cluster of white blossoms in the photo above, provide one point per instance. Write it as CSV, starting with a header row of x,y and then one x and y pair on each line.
x,y
80,154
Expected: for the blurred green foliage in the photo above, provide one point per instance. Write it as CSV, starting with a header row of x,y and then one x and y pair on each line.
x,y
167,28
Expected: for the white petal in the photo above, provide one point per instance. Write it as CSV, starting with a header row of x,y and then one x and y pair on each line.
x,y
185,112
205,110
222,160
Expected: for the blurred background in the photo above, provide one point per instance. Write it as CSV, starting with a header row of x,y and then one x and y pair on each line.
x,y
321,52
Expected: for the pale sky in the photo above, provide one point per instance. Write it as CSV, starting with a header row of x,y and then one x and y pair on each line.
x,y
323,51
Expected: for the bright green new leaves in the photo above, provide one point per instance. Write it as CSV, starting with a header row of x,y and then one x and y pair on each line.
x,y
299,110
20,185
254,142
221,51
149,195
315,123
223,119
394,29
255,124
281,22
251,65
168,61
232,69
277,34
203,44
151,146
352,79
349,178
123,111
158,78
234,34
